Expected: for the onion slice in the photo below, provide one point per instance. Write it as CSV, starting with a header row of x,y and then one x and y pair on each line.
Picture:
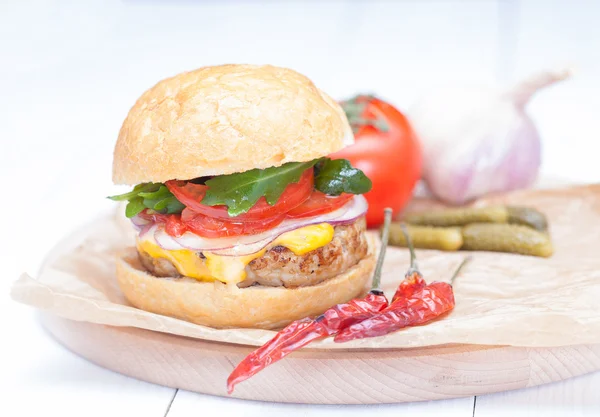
x,y
148,230
139,221
249,244
165,240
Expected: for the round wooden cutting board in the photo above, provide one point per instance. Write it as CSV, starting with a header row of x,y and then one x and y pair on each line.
x,y
323,376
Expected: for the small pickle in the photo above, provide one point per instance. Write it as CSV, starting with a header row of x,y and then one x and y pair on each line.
x,y
426,237
510,238
458,216
527,216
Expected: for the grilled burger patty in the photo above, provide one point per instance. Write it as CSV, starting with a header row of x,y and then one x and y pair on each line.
x,y
279,266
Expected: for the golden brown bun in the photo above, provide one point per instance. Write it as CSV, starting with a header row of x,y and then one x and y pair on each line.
x,y
225,119
222,306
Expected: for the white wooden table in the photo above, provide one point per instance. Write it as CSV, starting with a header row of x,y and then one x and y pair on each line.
x,y
70,72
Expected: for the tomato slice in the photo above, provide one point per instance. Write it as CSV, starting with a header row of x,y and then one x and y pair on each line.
x,y
212,227
298,200
319,203
191,195
173,224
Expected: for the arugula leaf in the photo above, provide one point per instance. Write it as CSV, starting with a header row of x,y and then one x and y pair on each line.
x,y
140,188
240,191
154,196
171,204
134,207
159,194
337,176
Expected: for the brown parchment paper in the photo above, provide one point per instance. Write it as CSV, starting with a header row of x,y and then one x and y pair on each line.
x,y
502,299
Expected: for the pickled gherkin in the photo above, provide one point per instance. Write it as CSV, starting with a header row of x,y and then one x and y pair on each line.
x,y
527,216
512,238
427,237
459,216
512,229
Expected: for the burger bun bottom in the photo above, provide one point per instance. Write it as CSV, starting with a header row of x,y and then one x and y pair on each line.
x,y
218,305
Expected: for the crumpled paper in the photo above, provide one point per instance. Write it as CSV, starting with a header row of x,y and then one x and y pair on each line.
x,y
501,299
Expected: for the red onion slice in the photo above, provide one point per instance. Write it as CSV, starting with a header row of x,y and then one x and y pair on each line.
x,y
249,244
138,221
148,230
165,240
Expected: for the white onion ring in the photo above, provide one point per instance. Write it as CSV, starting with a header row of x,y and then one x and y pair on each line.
x,y
249,244
165,240
148,229
138,221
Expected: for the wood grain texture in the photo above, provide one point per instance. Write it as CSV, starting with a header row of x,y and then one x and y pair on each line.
x,y
324,377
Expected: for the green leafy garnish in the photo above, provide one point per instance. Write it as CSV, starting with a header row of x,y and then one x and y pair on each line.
x,y
135,206
240,191
154,196
337,176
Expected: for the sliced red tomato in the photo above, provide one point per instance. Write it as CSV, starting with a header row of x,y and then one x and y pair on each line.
x,y
191,195
319,203
212,227
173,224
298,200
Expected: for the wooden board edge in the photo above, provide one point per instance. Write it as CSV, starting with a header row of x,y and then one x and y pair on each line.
x,y
322,376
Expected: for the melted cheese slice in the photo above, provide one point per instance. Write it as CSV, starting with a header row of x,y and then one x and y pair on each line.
x,y
232,269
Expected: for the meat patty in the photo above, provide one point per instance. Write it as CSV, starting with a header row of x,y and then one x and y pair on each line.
x,y
279,266
159,267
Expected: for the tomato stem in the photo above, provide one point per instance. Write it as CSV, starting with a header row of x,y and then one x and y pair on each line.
x,y
355,109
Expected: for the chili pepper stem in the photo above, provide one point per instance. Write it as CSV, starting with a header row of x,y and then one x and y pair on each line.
x,y
460,267
385,234
413,257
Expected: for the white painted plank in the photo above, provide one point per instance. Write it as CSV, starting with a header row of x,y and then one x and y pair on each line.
x,y
577,397
188,404
40,378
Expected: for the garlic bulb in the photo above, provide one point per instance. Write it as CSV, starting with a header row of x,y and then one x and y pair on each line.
x,y
477,141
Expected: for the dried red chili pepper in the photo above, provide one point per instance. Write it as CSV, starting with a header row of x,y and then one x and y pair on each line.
x,y
414,303
301,332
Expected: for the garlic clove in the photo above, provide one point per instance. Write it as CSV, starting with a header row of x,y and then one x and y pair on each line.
x,y
479,140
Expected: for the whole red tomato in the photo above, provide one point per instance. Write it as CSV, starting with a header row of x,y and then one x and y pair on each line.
x,y
386,150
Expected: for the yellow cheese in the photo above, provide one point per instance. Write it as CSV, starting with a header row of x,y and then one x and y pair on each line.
x,y
187,262
232,269
306,239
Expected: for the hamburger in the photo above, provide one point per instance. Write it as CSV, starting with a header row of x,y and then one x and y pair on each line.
x,y
242,219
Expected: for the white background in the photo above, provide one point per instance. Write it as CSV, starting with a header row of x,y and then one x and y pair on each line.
x,y
70,71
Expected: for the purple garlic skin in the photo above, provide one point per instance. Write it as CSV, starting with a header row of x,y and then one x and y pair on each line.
x,y
479,141
505,161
